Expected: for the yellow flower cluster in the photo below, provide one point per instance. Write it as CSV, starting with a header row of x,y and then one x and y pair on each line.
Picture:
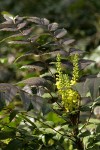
x,y
70,97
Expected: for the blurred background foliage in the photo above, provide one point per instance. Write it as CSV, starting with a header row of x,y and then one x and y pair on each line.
x,y
81,19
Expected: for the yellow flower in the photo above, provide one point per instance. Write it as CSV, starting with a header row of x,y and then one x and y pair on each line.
x,y
72,82
70,97
58,85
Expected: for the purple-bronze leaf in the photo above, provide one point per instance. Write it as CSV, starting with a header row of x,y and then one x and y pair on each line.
x,y
53,26
60,33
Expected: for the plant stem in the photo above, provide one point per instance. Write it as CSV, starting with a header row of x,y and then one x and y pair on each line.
x,y
74,118
79,143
